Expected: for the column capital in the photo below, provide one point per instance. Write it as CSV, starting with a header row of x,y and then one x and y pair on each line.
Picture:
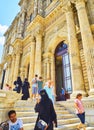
x,y
67,8
32,38
79,3
18,49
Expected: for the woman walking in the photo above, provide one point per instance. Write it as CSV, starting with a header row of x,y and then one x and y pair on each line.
x,y
80,111
25,89
46,112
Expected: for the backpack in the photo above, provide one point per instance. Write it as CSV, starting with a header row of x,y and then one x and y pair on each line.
x,y
4,125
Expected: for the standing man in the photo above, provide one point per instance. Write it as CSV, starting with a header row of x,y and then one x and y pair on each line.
x,y
35,86
63,94
14,122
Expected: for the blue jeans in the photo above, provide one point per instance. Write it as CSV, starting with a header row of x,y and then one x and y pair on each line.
x,y
82,117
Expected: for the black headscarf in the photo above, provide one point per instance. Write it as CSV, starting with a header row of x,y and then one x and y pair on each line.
x,y
44,96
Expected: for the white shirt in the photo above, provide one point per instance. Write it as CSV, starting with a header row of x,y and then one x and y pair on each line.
x,y
15,126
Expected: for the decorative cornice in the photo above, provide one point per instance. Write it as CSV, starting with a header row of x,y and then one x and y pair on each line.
x,y
38,20
67,8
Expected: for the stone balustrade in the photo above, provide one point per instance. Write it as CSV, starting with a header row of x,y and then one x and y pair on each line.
x,y
7,101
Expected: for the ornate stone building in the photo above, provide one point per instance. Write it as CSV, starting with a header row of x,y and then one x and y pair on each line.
x,y
54,39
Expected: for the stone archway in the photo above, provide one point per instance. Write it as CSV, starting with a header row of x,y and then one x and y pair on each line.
x,y
54,43
62,71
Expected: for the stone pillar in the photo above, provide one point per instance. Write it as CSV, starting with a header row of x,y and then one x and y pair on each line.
x,y
32,60
45,72
91,10
9,71
48,70
48,2
88,42
76,72
16,68
1,69
38,54
12,70
53,70
35,7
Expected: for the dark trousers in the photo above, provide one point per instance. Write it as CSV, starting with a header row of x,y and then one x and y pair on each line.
x,y
82,117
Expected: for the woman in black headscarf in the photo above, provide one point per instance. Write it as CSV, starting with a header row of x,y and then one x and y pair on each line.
x,y
45,111
25,89
18,85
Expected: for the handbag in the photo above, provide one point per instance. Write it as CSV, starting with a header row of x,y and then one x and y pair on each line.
x,y
4,126
41,124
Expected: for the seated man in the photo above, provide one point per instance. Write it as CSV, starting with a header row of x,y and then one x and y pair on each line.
x,y
14,122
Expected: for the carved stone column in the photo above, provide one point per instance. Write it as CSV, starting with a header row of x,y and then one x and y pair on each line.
x,y
53,70
45,72
9,71
18,51
16,69
35,7
1,70
38,54
48,70
91,10
76,72
48,2
88,42
32,60
12,70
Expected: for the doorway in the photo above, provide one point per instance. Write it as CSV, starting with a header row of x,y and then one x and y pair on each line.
x,y
63,72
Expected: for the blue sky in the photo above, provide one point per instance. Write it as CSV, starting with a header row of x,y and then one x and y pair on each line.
x,y
8,11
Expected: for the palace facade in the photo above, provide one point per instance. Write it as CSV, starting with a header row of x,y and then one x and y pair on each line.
x,y
54,39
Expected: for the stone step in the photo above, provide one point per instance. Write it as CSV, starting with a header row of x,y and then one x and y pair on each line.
x,y
62,112
26,114
60,121
87,128
65,119
65,116
20,109
67,126
30,126
59,108
23,103
29,119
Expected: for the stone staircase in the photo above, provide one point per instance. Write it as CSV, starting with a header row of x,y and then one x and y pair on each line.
x,y
66,120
